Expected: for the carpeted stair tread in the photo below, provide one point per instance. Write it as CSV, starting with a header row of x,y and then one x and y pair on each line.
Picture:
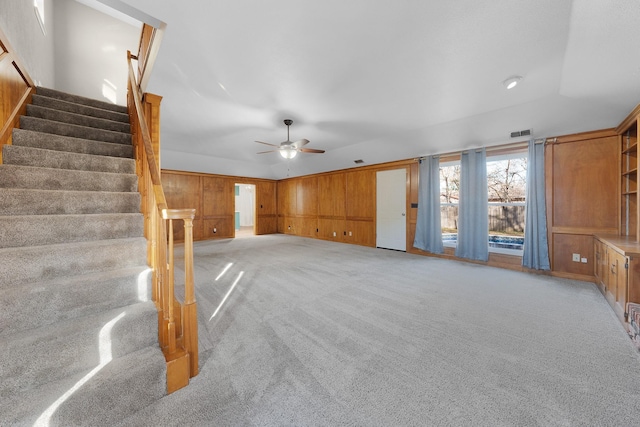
x,y
75,131
65,298
72,107
39,157
15,176
25,201
37,230
33,263
56,94
27,361
76,119
100,396
29,138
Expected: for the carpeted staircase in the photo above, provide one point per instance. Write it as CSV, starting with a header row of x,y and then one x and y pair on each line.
x,y
78,332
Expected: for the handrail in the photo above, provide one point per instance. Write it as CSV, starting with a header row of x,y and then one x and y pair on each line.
x,y
144,129
177,329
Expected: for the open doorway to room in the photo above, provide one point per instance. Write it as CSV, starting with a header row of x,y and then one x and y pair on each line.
x,y
245,210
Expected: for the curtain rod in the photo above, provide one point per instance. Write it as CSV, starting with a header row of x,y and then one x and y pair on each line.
x,y
514,145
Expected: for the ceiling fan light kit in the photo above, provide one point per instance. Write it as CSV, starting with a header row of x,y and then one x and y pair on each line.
x,y
288,153
287,149
512,82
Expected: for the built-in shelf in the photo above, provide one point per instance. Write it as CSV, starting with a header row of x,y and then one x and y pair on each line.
x,y
629,214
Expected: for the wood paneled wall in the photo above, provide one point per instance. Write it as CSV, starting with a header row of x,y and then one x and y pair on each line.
x,y
16,88
213,197
582,198
338,206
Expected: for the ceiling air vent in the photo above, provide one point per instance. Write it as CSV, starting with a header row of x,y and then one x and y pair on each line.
x,y
359,161
519,133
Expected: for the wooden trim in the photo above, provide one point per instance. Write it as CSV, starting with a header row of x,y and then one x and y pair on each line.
x,y
240,179
628,121
13,120
572,276
15,98
584,136
583,231
151,54
376,167
509,262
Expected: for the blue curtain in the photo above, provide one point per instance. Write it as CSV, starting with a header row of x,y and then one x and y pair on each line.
x,y
536,249
428,231
473,213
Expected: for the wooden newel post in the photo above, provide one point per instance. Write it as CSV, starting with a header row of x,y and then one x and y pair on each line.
x,y
189,310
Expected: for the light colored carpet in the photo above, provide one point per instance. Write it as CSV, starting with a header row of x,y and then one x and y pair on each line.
x,y
319,333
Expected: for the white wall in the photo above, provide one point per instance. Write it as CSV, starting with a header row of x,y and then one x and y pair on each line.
x,y
19,23
245,204
90,47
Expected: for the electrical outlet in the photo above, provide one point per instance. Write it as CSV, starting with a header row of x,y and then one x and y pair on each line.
x,y
334,234
576,257
350,234
215,230
583,260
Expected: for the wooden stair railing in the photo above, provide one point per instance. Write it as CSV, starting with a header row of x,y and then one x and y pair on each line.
x,y
177,322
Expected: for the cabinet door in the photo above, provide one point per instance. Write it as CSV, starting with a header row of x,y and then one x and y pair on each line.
x,y
621,282
617,285
633,280
612,274
600,264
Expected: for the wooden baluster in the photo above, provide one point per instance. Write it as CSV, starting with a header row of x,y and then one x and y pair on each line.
x,y
160,268
171,327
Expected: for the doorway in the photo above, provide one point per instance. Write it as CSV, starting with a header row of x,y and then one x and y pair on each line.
x,y
391,209
245,209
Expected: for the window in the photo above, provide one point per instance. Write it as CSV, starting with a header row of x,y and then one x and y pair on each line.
x,y
449,194
506,179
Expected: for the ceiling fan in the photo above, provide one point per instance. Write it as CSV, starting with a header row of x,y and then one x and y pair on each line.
x,y
288,149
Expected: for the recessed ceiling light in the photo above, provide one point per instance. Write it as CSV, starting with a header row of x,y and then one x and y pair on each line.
x,y
512,82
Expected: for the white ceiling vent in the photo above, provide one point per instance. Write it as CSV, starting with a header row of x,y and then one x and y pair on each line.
x,y
519,133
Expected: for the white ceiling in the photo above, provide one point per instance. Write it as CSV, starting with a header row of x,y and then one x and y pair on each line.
x,y
382,80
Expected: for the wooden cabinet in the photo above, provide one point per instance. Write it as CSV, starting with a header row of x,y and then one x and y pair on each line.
x,y
617,256
617,271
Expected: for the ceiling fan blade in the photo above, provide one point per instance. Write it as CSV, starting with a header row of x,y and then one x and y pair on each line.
x,y
300,143
310,150
270,151
266,143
